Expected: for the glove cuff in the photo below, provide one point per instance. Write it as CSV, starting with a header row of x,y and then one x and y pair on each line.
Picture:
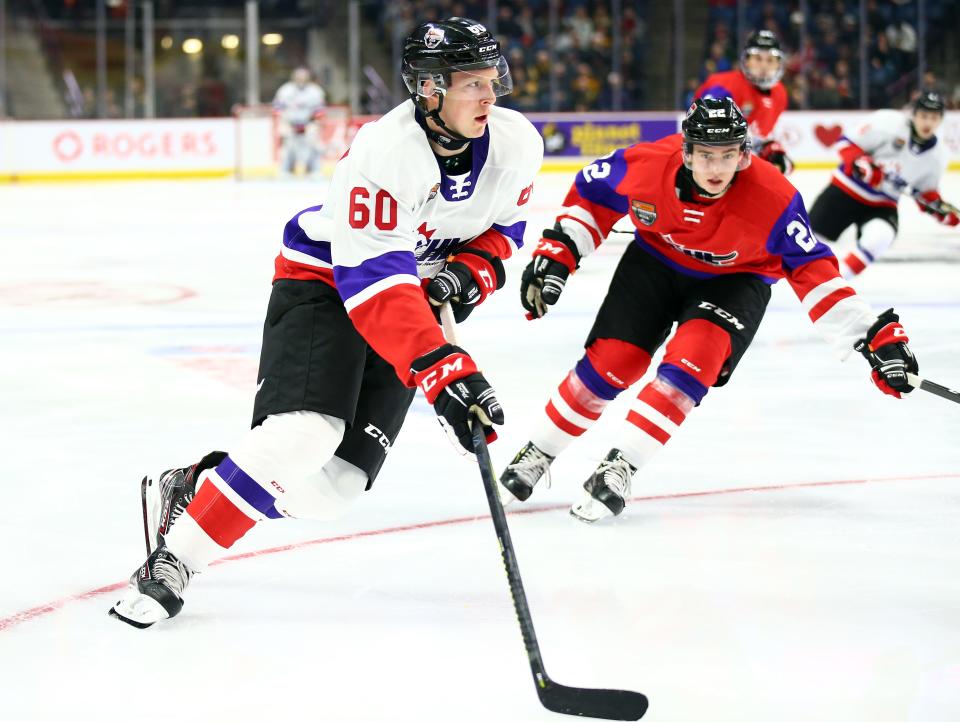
x,y
486,268
433,371
558,246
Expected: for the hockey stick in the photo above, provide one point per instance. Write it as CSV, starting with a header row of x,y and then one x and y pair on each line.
x,y
942,207
612,704
936,389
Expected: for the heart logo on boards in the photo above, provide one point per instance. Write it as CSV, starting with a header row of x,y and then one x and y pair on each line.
x,y
828,135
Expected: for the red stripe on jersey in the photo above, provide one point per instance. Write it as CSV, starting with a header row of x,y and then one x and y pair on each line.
x,y
661,403
648,426
591,229
854,263
829,302
493,242
861,199
283,267
561,423
604,217
566,393
218,516
810,275
399,325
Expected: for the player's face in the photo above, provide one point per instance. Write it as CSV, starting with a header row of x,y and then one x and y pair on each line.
x,y
713,167
925,123
762,64
466,106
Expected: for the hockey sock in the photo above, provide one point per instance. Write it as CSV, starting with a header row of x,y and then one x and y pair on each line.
x,y
608,367
692,363
876,236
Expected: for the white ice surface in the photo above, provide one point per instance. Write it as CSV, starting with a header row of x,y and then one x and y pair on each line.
x,y
130,322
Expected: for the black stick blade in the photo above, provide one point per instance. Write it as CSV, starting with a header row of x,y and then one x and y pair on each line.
x,y
616,704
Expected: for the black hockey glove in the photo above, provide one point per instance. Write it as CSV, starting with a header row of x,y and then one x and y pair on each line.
x,y
466,280
554,259
451,382
885,349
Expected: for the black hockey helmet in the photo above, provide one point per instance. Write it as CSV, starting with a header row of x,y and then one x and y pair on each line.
x,y
715,121
929,100
435,50
762,41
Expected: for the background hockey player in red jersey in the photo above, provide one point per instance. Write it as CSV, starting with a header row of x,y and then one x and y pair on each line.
x,y
713,233
756,89
890,154
421,211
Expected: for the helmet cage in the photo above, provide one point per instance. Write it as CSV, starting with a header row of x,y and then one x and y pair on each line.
x,y
762,82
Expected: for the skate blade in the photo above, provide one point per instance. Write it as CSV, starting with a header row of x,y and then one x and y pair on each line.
x,y
505,495
590,510
138,610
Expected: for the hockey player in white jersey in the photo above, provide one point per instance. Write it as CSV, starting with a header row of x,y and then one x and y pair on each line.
x,y
890,154
299,102
421,211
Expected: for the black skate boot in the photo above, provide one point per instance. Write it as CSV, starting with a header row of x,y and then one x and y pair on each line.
x,y
155,592
524,472
607,489
165,497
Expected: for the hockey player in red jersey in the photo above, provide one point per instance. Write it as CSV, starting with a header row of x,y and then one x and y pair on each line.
x,y
890,154
422,211
756,89
713,232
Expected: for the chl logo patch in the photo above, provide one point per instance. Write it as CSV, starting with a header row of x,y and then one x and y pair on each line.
x,y
644,212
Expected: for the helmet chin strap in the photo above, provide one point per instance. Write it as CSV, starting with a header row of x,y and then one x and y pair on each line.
x,y
452,140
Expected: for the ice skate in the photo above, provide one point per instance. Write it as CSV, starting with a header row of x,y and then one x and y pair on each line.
x,y
164,497
523,473
606,489
155,592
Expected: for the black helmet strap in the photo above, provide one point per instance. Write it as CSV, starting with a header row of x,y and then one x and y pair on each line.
x,y
452,140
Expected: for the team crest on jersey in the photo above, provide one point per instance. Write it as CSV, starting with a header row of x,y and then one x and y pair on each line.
x,y
645,212
898,143
433,192
433,37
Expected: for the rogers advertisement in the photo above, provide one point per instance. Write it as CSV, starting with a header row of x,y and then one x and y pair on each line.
x,y
203,147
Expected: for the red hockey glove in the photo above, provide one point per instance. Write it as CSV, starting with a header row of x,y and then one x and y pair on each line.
x,y
931,202
451,382
885,349
865,168
466,280
773,152
554,259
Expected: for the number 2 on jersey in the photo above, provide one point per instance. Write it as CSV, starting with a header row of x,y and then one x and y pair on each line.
x,y
384,209
799,232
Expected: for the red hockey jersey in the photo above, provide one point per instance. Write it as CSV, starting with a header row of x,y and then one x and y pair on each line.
x,y
760,108
758,226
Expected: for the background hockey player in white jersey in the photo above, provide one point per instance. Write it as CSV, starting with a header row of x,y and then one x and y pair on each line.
x,y
299,102
713,231
420,212
890,154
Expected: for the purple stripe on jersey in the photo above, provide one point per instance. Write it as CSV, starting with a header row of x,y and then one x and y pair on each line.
x,y
868,189
865,252
351,280
594,381
716,91
295,238
248,489
677,377
598,182
792,239
514,232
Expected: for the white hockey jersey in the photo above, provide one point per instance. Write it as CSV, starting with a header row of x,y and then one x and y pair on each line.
x,y
297,106
392,217
885,135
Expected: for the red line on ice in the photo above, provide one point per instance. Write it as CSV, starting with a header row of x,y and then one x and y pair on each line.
x,y
44,609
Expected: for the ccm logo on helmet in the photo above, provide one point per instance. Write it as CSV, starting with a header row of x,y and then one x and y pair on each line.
x,y
431,379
